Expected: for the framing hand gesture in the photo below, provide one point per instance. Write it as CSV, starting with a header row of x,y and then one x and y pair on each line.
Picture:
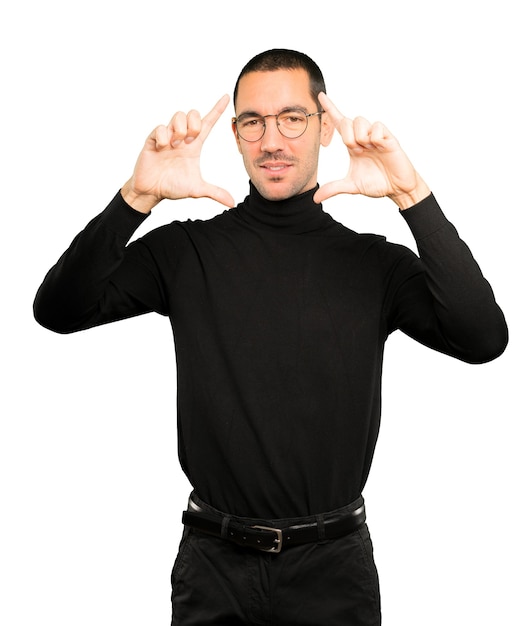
x,y
169,164
378,165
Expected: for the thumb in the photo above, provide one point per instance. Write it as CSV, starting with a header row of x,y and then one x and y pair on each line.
x,y
219,195
333,189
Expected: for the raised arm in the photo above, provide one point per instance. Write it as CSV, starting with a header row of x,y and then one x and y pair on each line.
x,y
445,303
78,292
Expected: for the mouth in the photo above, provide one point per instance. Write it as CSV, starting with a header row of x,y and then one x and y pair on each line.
x,y
275,168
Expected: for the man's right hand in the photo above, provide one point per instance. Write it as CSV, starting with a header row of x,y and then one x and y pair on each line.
x,y
169,164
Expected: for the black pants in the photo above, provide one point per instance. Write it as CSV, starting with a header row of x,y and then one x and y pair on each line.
x,y
321,584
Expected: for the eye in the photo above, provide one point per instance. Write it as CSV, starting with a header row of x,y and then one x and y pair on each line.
x,y
292,118
251,122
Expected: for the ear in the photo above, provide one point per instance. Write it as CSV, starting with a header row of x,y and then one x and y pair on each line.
x,y
327,130
236,135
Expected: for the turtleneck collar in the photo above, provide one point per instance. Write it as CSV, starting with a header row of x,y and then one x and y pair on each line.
x,y
296,215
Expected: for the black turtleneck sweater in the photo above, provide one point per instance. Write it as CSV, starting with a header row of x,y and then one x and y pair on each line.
x,y
280,315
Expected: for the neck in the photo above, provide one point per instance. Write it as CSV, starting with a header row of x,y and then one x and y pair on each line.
x,y
298,214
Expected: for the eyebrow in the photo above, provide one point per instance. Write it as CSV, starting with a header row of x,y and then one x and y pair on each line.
x,y
289,108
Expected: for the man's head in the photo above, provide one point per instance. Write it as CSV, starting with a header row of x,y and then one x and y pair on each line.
x,y
277,94
282,59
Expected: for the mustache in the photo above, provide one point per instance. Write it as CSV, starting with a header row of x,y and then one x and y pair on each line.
x,y
268,158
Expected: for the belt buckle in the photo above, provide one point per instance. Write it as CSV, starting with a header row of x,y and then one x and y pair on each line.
x,y
278,541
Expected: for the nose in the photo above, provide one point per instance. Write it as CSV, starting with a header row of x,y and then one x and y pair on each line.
x,y
272,140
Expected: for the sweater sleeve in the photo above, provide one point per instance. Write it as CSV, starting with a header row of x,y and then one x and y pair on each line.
x,y
445,302
80,290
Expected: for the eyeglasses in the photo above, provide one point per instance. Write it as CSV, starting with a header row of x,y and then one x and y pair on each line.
x,y
291,123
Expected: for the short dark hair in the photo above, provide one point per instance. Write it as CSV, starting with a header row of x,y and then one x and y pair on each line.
x,y
283,59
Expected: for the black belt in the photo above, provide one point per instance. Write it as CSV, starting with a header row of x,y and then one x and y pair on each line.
x,y
273,537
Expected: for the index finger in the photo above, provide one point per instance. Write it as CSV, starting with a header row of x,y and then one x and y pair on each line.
x,y
335,114
212,116
342,123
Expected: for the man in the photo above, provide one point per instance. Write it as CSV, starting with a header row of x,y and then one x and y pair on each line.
x,y
280,315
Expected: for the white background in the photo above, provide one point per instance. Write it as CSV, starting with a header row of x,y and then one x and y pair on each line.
x,y
91,493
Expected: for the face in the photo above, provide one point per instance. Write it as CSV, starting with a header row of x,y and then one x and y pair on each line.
x,y
279,167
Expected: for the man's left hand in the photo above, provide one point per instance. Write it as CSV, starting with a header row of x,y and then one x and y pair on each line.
x,y
378,165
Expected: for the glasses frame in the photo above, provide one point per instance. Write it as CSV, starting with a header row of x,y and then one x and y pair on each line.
x,y
275,115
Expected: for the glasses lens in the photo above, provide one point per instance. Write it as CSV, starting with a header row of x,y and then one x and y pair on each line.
x,y
292,124
250,128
